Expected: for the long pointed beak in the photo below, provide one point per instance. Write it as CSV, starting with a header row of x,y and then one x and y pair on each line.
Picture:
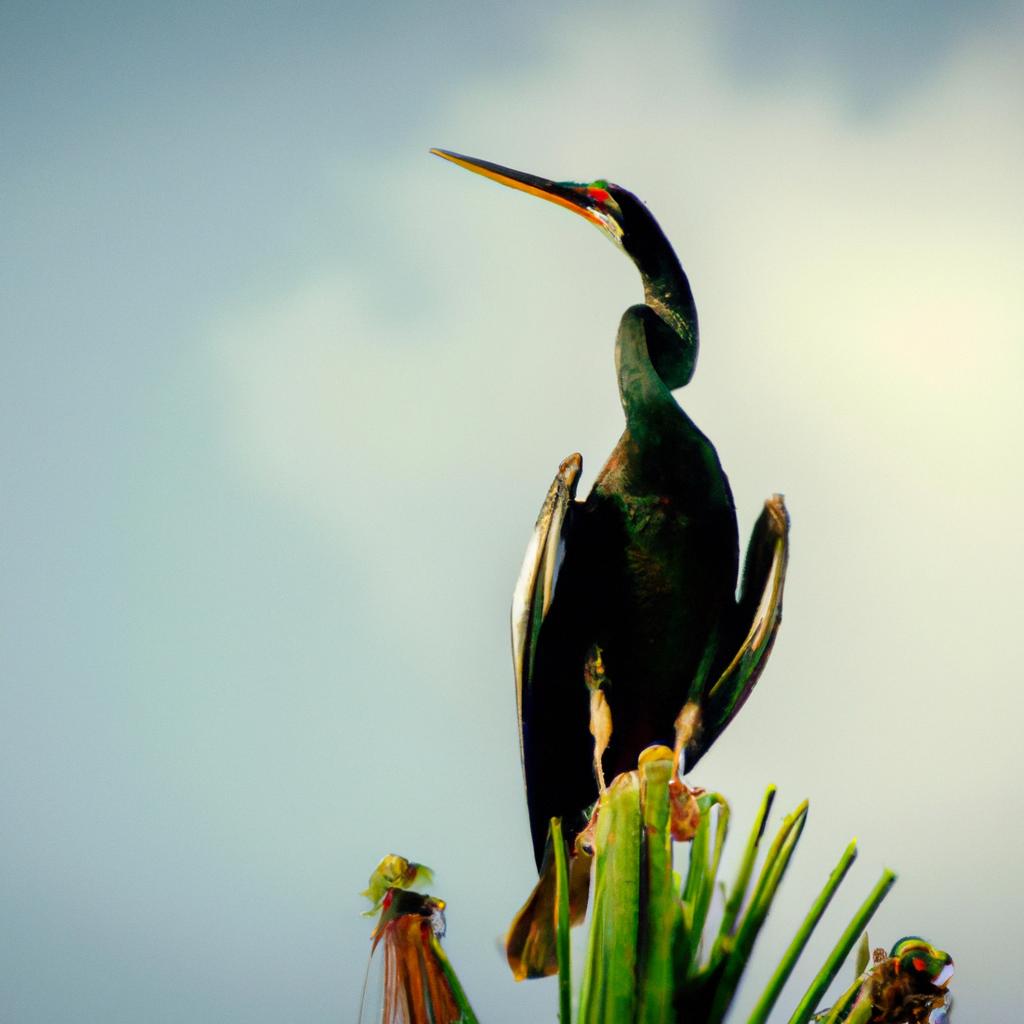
x,y
554,192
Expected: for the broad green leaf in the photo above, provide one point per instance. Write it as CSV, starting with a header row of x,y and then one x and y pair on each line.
x,y
609,984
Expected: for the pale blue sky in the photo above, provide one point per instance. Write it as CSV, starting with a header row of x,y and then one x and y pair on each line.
x,y
281,397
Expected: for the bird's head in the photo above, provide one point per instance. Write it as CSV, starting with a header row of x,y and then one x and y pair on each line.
x,y
630,225
614,210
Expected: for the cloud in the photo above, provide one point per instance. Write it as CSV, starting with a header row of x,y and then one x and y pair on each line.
x,y
861,323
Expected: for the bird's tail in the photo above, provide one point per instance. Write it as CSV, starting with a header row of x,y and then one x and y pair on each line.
x,y
530,945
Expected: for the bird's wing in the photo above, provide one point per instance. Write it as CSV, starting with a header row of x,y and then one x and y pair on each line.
x,y
539,575
758,615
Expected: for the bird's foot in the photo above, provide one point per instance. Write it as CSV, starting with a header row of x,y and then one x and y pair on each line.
x,y
687,725
600,712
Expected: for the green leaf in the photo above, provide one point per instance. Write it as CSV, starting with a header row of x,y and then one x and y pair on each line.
x,y
562,923
702,877
659,909
609,983
772,872
468,1016
746,868
796,947
842,949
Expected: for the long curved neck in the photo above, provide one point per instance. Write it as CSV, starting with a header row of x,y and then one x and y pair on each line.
x,y
665,452
673,350
643,391
656,347
674,346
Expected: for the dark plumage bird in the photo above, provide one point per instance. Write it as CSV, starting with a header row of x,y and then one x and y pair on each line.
x,y
643,573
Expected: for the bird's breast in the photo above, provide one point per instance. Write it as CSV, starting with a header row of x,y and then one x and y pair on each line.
x,y
657,586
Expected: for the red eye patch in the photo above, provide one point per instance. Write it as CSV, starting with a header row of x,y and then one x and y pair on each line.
x,y
599,194
919,964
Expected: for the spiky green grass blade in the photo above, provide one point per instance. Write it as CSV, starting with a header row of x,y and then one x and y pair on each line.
x,y
468,1016
562,923
659,907
609,983
710,875
841,1009
739,890
701,881
796,947
861,1012
846,942
772,872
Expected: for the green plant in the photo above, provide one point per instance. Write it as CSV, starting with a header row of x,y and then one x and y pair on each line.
x,y
652,955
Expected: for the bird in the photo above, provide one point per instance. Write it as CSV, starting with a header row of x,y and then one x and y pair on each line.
x,y
636,584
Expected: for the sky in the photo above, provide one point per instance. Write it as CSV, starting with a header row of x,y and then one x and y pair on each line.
x,y
281,396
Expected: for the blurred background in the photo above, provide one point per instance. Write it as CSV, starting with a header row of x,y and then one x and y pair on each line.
x,y
281,396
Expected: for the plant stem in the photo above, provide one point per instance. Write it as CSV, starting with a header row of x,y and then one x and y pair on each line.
x,y
659,905
796,947
562,924
609,982
466,1011
739,890
772,871
803,1012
